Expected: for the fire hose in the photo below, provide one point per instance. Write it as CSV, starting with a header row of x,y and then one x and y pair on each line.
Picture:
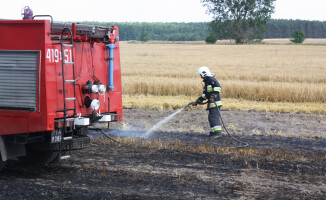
x,y
244,144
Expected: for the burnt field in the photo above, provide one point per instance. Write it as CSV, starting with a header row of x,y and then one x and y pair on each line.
x,y
285,160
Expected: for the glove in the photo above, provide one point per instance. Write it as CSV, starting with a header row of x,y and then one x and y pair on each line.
x,y
197,102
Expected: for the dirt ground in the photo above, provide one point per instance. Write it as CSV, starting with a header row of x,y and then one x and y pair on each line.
x,y
285,160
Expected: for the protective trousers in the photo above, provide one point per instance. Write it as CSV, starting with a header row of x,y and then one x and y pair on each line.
x,y
214,120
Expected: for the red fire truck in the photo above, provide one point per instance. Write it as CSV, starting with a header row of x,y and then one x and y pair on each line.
x,y
56,80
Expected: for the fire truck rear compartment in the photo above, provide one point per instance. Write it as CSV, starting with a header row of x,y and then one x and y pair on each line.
x,y
47,71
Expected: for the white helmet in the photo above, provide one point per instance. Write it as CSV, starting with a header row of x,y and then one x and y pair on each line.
x,y
204,71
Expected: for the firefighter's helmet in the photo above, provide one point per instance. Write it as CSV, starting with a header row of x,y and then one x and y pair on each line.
x,y
27,13
204,71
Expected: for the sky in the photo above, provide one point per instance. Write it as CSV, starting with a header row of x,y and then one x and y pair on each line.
x,y
148,10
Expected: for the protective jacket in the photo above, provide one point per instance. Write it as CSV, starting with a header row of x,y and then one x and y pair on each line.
x,y
211,91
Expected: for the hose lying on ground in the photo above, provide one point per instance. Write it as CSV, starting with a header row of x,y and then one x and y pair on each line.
x,y
245,144
101,131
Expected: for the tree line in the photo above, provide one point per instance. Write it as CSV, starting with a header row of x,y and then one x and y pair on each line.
x,y
159,30
285,28
199,31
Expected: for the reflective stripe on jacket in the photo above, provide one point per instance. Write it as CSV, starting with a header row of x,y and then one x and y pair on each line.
x,y
215,104
212,88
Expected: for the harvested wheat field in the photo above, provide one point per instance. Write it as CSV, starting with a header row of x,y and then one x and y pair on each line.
x,y
274,99
278,78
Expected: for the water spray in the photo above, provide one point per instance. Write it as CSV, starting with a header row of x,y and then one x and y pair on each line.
x,y
164,121
148,133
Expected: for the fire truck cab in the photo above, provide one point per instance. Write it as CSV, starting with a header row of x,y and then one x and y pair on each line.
x,y
56,81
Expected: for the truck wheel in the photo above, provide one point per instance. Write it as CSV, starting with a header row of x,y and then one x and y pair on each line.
x,y
49,157
2,163
42,157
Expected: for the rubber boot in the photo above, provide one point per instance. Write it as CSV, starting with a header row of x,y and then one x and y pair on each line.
x,y
215,134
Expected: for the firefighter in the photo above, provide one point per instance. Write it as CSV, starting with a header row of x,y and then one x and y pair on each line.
x,y
211,93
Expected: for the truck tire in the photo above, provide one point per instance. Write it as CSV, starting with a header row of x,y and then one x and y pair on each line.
x,y
2,163
42,158
49,157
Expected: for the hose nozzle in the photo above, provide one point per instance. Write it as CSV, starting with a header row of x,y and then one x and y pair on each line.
x,y
189,104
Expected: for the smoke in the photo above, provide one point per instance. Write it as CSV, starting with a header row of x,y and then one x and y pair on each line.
x,y
127,133
132,131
